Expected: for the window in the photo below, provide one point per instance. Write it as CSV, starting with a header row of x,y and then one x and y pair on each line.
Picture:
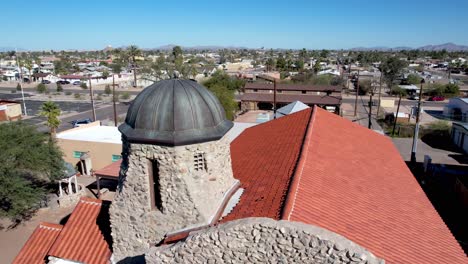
x,y
77,154
255,90
199,162
115,157
155,190
304,92
280,91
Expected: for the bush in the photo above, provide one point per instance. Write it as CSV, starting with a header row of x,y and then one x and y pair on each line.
x,y
59,87
84,86
125,96
107,90
99,97
68,93
77,96
13,91
18,87
41,88
413,79
5,78
365,86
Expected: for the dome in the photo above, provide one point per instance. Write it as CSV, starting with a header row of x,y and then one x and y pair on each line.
x,y
175,112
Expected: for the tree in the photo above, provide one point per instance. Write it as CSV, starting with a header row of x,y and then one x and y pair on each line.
x,y
107,90
178,58
105,74
28,64
29,160
365,86
116,67
317,66
223,87
59,87
41,88
451,90
392,69
413,79
83,85
133,52
51,111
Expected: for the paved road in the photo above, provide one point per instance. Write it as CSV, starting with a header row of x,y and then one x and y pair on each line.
x,y
68,88
365,101
103,112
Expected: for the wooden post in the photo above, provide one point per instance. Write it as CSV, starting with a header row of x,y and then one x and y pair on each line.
x,y
274,99
380,92
92,99
357,94
396,116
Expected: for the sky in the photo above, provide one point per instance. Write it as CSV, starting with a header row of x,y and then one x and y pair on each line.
x,y
291,24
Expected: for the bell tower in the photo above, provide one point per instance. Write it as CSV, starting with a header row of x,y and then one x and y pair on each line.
x,y
176,171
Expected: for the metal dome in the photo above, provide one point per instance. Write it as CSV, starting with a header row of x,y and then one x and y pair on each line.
x,y
175,112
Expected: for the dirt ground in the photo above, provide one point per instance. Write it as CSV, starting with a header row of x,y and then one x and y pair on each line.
x,y
12,240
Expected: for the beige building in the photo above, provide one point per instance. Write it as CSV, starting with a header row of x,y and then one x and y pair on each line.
x,y
10,110
94,144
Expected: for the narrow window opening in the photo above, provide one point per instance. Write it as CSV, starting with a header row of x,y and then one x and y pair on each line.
x,y
155,188
199,162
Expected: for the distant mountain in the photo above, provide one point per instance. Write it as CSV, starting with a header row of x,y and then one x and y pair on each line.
x,y
446,46
6,49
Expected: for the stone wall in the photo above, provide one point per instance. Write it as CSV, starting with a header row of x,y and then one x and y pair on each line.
x,y
189,197
262,240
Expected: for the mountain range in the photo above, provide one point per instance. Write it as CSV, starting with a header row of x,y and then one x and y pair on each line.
x,y
446,46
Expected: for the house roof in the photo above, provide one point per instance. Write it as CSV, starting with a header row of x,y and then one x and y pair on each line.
x,y
288,98
292,87
35,249
370,196
110,171
293,107
86,235
263,160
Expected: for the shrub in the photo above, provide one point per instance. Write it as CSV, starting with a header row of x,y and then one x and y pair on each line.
x,y
5,78
68,93
77,96
13,91
41,88
18,87
84,86
59,87
365,86
107,90
125,96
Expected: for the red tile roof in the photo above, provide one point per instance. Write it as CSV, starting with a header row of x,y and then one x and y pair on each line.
x,y
35,249
289,98
85,237
110,171
263,159
352,181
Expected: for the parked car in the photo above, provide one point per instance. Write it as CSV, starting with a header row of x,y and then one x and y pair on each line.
x,y
45,81
414,97
79,122
63,82
76,83
436,98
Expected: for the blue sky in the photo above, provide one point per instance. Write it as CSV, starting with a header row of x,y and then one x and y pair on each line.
x,y
312,24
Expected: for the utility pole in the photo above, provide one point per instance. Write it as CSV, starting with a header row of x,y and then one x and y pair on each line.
x,y
369,125
21,82
113,98
396,116
274,99
416,128
92,98
357,94
380,92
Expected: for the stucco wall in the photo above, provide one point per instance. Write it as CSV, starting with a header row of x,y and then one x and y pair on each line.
x,y
188,197
101,153
262,240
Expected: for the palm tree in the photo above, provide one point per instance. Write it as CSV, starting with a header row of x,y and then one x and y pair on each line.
x,y
51,111
28,63
133,52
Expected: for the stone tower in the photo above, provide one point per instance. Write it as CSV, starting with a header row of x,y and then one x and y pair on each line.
x,y
176,169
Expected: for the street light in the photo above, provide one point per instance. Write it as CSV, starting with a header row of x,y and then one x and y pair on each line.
x,y
416,128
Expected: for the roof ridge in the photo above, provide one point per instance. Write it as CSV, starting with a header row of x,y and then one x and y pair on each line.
x,y
290,202
50,225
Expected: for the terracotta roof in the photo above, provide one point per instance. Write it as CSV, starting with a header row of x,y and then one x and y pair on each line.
x,y
289,98
263,159
36,248
110,171
352,181
86,235
293,87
